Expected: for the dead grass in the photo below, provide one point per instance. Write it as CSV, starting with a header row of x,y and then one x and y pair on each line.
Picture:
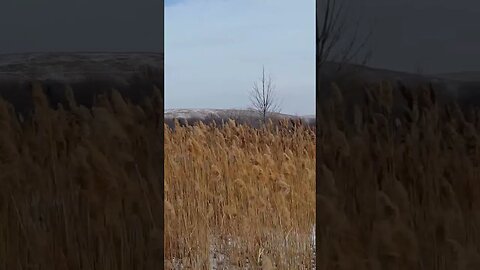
x,y
398,189
81,189
242,195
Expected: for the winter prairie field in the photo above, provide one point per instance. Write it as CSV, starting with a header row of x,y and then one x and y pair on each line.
x,y
237,197
81,188
398,182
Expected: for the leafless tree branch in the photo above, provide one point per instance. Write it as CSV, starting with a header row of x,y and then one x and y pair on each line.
x,y
332,32
262,96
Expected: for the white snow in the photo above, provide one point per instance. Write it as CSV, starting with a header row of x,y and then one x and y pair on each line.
x,y
219,260
222,113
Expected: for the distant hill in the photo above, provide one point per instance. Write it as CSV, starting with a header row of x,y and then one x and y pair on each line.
x,y
463,87
134,74
460,76
218,116
76,66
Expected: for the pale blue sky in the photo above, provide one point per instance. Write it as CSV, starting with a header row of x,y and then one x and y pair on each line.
x,y
215,49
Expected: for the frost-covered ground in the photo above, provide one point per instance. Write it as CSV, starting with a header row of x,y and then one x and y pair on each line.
x,y
219,261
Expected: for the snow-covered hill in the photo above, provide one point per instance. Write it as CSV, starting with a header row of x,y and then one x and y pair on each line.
x,y
463,87
133,74
204,113
219,115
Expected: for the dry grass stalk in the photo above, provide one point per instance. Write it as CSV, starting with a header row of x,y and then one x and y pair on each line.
x,y
80,188
406,193
237,190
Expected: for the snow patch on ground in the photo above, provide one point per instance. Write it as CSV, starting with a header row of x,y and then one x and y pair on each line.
x,y
219,261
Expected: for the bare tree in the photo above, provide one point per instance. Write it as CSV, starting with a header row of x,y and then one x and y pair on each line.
x,y
336,42
263,98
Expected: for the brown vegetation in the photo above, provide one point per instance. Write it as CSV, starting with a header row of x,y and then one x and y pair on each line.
x,y
81,189
398,190
237,197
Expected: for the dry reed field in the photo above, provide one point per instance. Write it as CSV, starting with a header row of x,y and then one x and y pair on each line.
x,y
398,189
81,189
237,197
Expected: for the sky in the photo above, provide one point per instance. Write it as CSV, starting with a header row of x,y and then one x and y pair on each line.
x,y
86,25
215,50
434,36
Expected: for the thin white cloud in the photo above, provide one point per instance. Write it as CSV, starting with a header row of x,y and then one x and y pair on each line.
x,y
215,49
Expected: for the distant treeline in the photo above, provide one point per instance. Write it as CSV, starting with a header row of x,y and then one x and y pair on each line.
x,y
250,121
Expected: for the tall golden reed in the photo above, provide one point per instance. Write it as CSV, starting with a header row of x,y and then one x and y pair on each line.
x,y
399,183
239,197
80,189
